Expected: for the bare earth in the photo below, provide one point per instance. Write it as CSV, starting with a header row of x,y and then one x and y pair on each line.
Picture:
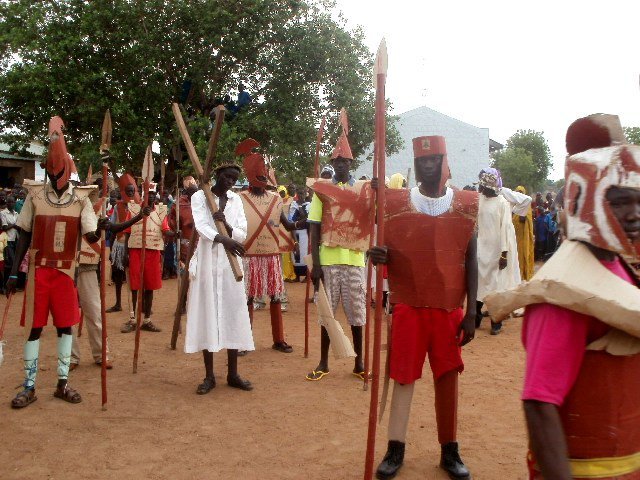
x,y
156,427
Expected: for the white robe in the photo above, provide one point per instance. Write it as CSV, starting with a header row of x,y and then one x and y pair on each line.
x,y
496,235
217,315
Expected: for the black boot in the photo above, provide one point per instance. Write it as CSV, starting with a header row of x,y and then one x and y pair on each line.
x,y
392,460
451,462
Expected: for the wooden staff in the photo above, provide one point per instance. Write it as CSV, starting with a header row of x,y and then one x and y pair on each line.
x,y
104,148
204,179
367,325
380,74
147,172
316,174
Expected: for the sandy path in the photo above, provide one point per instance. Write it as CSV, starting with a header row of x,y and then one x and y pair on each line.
x,y
156,427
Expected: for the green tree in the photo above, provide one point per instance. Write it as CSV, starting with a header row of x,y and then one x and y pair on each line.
x,y
536,145
632,134
516,166
76,59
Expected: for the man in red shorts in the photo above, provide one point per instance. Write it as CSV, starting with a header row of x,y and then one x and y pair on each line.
x,y
432,266
157,223
581,327
54,217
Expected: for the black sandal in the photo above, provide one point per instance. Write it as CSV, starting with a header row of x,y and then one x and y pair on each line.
x,y
67,394
208,384
25,398
239,382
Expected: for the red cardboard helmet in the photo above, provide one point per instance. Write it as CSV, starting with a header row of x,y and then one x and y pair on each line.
x,y
58,159
433,145
598,159
342,148
123,181
254,164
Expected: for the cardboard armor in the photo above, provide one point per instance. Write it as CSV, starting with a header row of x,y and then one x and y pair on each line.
x,y
90,252
347,213
56,228
286,239
186,227
154,239
427,253
263,223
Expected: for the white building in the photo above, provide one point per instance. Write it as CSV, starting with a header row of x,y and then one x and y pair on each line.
x,y
467,146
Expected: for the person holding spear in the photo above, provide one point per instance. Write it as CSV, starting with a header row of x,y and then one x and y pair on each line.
x,y
54,216
339,219
157,223
430,252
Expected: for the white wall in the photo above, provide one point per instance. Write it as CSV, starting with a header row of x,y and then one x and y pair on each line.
x,y
467,146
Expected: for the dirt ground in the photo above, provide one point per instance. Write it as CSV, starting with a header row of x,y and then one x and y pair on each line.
x,y
156,427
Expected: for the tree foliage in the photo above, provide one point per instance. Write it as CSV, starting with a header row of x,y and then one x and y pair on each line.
x,y
77,58
632,134
516,166
512,158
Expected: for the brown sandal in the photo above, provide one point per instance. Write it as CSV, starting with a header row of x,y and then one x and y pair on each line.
x,y
24,398
67,394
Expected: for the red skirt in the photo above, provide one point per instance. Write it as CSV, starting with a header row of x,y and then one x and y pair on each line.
x,y
152,269
55,292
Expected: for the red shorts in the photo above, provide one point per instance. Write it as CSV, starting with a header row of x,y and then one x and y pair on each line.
x,y
55,292
152,269
416,331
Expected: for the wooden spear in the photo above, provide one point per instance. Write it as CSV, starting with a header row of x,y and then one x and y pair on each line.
x,y
367,325
316,174
380,74
204,175
104,150
147,174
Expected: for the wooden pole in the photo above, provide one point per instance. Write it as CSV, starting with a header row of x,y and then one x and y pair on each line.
x,y
140,294
316,174
379,147
104,149
182,293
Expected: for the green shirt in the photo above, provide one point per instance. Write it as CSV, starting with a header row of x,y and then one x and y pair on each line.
x,y
333,255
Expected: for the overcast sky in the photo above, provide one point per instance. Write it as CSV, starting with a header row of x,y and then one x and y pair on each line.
x,y
509,65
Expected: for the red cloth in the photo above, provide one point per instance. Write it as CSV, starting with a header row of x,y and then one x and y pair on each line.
x,y
418,330
55,292
152,269
555,340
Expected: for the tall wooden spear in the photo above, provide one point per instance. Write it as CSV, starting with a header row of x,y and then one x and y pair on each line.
x,y
104,153
147,174
380,76
367,325
203,175
316,174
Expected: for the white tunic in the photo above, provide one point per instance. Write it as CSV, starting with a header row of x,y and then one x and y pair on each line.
x,y
217,315
496,235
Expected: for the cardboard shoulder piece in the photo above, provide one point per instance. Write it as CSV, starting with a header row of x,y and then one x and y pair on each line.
x,y
573,278
347,212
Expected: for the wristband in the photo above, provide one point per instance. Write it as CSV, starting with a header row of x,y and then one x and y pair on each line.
x,y
13,276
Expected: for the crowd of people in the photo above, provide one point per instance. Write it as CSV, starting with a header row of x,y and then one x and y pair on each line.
x,y
451,258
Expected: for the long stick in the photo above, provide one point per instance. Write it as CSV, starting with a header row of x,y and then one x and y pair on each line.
x,y
367,325
182,294
316,174
379,146
103,283
145,203
4,322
